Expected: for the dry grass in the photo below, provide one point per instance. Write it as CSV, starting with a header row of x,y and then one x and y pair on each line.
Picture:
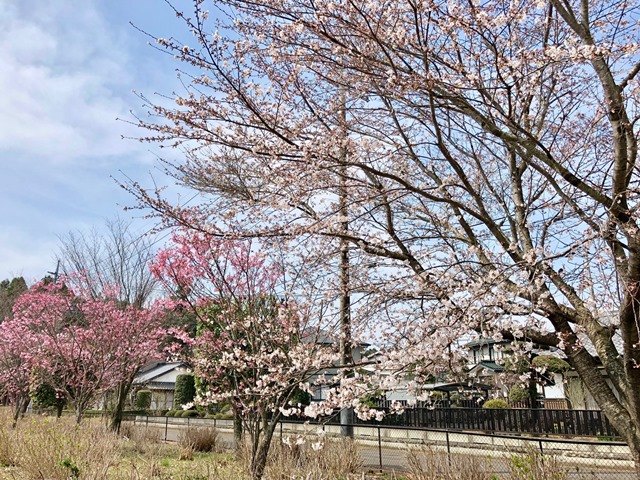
x,y
58,449
333,460
8,441
427,463
46,448
200,439
141,440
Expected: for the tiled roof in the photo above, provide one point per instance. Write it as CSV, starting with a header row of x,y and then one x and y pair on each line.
x,y
156,371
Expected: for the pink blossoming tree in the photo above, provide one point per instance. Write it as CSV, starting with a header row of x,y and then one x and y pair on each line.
x,y
16,340
83,346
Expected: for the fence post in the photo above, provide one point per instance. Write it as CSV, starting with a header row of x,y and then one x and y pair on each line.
x,y
281,432
448,447
146,427
166,427
540,444
379,448
188,422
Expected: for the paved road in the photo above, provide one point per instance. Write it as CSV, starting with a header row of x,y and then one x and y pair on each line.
x,y
394,456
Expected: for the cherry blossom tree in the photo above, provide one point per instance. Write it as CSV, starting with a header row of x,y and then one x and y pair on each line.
x,y
252,349
80,345
15,372
115,255
490,160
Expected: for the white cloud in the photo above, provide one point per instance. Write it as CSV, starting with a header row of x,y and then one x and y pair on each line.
x,y
64,80
66,73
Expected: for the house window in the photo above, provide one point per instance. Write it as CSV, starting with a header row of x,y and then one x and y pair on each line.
x,y
491,354
475,356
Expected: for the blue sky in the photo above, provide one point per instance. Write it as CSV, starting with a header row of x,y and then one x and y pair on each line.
x,y
68,71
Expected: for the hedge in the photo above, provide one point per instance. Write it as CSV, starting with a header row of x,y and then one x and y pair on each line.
x,y
184,391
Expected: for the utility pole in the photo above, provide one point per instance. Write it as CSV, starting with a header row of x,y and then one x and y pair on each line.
x,y
346,356
56,274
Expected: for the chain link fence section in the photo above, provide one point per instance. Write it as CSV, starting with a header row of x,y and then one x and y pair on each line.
x,y
427,452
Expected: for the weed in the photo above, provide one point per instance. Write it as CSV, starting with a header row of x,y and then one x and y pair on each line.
x,y
532,465
74,471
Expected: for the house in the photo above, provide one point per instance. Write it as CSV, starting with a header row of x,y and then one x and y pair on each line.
x,y
160,378
323,339
488,363
560,390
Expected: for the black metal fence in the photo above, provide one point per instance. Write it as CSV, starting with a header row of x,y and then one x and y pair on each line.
x,y
574,423
566,423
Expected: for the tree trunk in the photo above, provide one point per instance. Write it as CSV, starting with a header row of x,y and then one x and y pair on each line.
x,y
18,410
237,428
121,399
59,408
532,391
25,405
79,412
261,450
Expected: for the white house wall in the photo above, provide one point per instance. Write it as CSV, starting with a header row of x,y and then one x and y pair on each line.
x,y
170,376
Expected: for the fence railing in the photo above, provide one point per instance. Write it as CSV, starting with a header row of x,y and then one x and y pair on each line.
x,y
575,423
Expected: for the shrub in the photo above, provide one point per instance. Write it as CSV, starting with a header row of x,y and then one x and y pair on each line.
x,y
171,413
518,393
300,397
495,403
199,439
517,365
45,396
552,364
532,465
143,399
223,416
190,413
185,390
